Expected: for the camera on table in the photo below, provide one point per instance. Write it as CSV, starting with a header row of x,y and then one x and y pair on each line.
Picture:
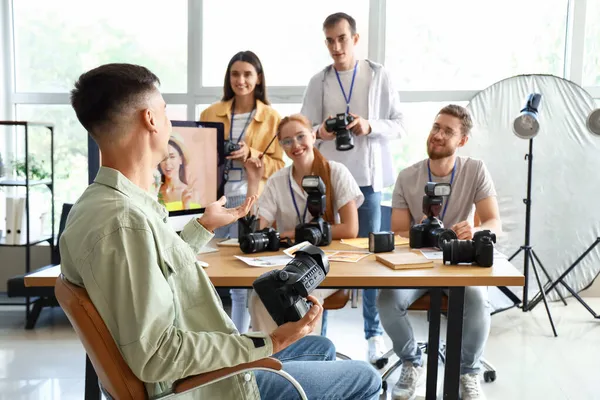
x,y
478,251
229,147
262,240
283,292
318,231
431,233
344,140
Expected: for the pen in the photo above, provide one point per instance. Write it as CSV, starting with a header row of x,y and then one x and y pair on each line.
x,y
269,145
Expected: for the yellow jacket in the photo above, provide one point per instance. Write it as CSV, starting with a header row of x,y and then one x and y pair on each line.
x,y
258,134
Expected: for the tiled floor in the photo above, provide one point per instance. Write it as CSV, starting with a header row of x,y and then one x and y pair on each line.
x,y
48,362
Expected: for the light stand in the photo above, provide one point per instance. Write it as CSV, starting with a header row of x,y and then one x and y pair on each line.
x,y
593,124
526,126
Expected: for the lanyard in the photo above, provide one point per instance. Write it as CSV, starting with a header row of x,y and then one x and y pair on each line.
x,y
451,180
300,221
245,126
351,86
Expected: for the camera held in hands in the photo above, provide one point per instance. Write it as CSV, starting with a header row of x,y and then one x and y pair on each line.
x,y
478,251
229,147
263,240
344,140
283,292
318,231
431,232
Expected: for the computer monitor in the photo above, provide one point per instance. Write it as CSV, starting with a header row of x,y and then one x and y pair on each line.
x,y
194,167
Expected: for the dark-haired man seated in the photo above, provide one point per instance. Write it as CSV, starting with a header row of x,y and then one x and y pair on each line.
x,y
157,302
472,191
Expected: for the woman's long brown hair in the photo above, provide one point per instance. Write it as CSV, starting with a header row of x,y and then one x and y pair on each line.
x,y
320,165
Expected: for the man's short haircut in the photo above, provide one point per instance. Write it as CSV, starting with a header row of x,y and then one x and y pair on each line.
x,y
103,93
333,19
462,114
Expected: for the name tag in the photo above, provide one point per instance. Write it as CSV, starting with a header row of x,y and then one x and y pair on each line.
x,y
235,175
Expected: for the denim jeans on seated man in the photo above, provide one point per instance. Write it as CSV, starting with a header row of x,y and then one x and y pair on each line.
x,y
393,306
352,380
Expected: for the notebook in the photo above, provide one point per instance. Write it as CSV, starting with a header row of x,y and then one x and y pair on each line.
x,y
404,260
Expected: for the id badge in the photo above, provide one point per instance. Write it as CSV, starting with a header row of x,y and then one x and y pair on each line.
x,y
235,175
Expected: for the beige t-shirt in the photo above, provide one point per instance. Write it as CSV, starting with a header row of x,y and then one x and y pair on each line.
x,y
276,203
472,183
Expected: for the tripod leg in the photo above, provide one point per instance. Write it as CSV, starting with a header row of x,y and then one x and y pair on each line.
x,y
537,277
516,253
580,300
537,298
548,277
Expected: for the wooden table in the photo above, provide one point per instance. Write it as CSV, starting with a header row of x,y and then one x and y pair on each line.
x,y
224,270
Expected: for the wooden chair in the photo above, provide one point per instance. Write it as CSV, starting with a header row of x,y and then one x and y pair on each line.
x,y
116,378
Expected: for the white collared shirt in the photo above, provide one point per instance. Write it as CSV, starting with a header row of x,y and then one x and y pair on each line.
x,y
276,203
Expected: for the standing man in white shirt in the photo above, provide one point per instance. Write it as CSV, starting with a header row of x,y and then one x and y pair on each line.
x,y
363,89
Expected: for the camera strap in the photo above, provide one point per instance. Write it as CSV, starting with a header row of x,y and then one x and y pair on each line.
x,y
451,181
351,86
300,221
229,163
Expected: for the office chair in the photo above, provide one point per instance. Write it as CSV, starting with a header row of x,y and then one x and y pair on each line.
x,y
116,378
423,303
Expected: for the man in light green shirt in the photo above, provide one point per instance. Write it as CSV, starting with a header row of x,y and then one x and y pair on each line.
x,y
157,302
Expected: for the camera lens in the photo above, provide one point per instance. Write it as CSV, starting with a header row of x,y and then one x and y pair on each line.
x,y
254,242
458,251
311,235
344,141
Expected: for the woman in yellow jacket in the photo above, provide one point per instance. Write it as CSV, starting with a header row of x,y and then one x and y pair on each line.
x,y
251,123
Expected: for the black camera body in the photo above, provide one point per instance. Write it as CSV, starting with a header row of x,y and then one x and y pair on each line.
x,y
229,147
344,140
262,240
380,242
478,251
318,231
283,292
431,232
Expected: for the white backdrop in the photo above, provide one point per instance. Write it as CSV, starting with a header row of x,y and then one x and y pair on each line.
x,y
565,212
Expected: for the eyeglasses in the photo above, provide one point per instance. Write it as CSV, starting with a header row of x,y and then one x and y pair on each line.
x,y
288,142
446,132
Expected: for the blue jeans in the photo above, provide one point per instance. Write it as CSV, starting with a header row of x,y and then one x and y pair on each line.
x,y
394,303
311,361
369,220
239,297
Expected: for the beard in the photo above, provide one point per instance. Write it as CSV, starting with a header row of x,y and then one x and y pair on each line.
x,y
444,152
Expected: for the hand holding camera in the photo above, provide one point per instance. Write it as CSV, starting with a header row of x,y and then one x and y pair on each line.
x,y
339,124
236,151
359,126
290,332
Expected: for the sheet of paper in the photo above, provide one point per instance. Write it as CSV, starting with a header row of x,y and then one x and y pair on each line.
x,y
345,256
208,249
363,243
265,262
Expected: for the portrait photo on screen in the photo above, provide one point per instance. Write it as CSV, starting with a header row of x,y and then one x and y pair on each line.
x,y
187,178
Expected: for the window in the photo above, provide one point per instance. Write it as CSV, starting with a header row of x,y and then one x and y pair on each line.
x,y
591,58
177,112
289,41
470,44
55,41
418,118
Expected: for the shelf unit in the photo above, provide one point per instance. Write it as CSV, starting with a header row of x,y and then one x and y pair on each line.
x,y
28,184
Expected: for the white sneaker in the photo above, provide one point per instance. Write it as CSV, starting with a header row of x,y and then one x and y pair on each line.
x,y
375,351
470,387
411,377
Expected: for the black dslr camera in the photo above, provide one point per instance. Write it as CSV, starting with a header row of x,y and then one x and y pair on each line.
x,y
344,140
263,240
317,231
479,251
283,292
431,232
229,147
